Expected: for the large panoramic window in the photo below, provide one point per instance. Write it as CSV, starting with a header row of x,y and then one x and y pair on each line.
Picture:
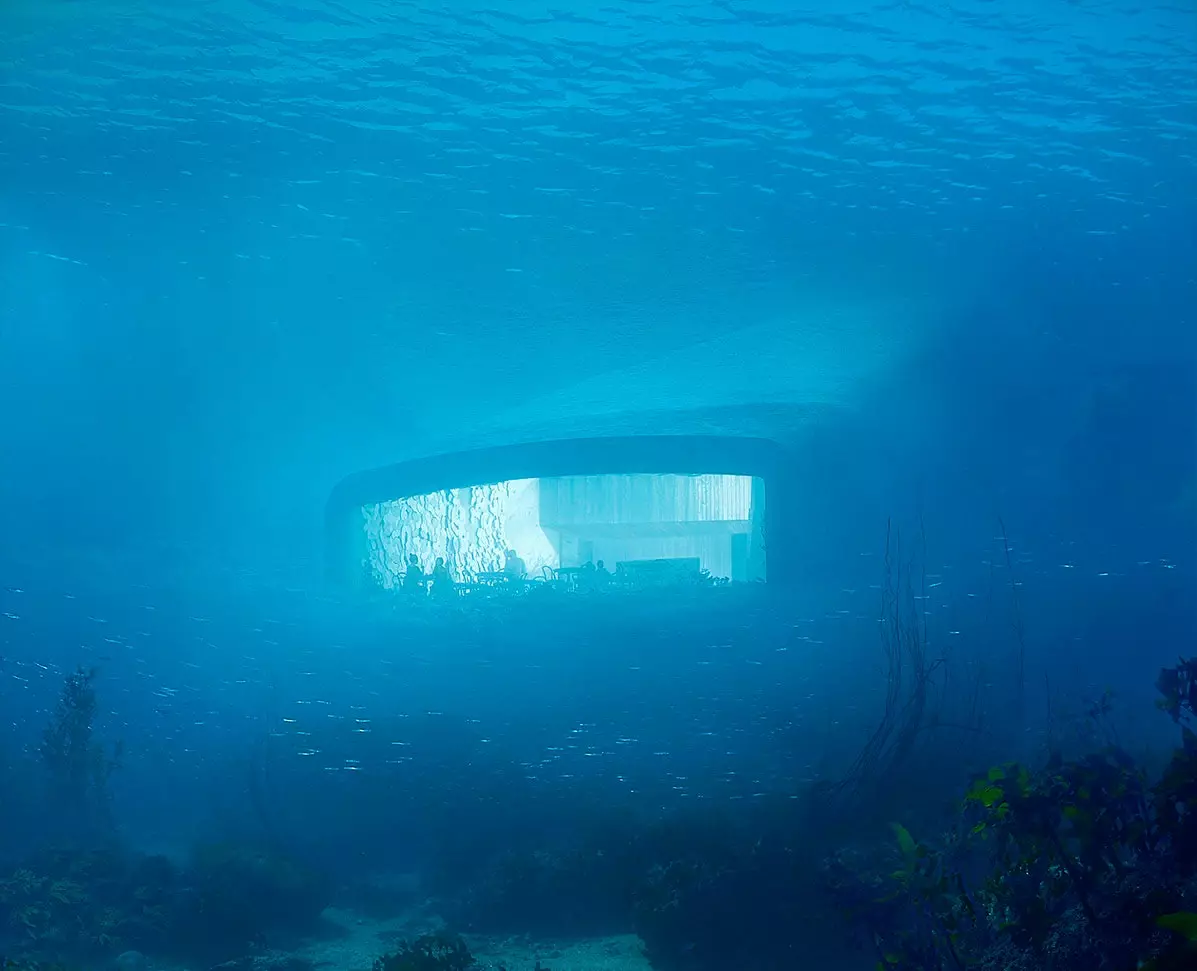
x,y
641,529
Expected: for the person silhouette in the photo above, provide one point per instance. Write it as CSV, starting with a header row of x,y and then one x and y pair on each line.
x,y
414,578
442,579
514,568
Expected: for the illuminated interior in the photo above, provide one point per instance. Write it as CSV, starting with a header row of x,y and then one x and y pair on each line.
x,y
636,526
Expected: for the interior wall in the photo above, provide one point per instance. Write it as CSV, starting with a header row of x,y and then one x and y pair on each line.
x,y
522,529
630,499
469,527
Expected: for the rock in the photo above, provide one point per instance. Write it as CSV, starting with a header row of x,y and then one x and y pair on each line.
x,y
131,961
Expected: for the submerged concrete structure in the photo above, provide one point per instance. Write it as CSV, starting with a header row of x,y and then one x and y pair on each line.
x,y
717,502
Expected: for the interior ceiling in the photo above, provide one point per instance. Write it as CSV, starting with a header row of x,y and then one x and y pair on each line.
x,y
249,248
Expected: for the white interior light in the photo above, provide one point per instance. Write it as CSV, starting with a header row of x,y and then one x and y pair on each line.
x,y
712,522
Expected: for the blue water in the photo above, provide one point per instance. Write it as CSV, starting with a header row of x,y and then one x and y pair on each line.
x,y
946,252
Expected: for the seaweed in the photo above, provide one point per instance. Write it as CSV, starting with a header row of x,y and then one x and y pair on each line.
x,y
87,906
78,905
1083,863
79,768
1178,690
244,892
730,898
911,706
441,951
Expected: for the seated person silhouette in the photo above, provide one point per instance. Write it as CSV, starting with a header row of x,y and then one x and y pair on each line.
x,y
442,580
514,567
413,579
601,573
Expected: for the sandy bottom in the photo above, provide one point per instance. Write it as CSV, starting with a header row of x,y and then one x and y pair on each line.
x,y
355,942
624,953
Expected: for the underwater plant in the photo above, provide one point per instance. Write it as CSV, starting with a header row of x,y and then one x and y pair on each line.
x,y
744,897
916,687
1081,864
1178,690
84,905
79,768
242,892
572,888
441,951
